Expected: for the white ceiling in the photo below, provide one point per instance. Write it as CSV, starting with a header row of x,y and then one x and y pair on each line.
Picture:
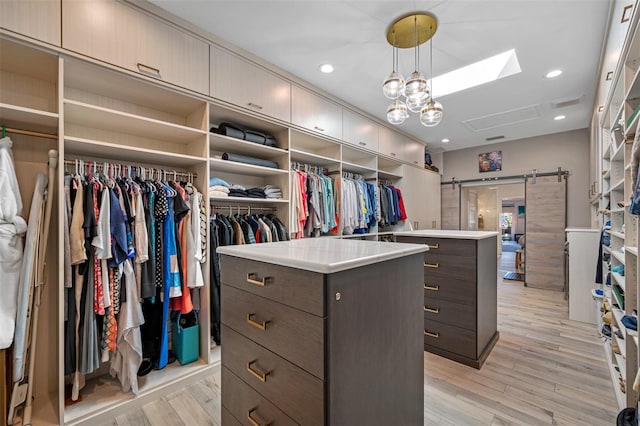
x,y
298,36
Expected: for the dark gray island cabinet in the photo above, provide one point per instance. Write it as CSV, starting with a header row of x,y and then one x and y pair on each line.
x,y
322,332
460,293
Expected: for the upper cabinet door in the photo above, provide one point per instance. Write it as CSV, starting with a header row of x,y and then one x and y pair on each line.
x,y
390,143
244,84
413,152
118,34
359,131
315,113
39,19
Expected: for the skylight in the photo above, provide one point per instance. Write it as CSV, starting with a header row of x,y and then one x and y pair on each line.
x,y
484,71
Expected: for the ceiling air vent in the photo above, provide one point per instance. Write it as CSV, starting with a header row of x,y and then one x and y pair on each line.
x,y
504,118
494,138
563,103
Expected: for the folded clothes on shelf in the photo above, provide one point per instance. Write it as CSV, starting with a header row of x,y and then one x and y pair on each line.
x,y
249,160
213,181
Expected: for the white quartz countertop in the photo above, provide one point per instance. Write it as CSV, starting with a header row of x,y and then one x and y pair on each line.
x,y
323,255
463,235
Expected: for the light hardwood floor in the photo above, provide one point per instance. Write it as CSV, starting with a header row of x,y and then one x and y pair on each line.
x,y
544,369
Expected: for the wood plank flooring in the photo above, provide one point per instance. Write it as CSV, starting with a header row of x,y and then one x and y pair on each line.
x,y
545,369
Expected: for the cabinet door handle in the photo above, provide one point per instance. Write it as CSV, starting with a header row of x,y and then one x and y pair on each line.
x,y
393,154
432,287
320,129
362,143
415,162
431,265
432,310
262,377
253,421
151,71
260,325
433,246
434,335
252,278
256,106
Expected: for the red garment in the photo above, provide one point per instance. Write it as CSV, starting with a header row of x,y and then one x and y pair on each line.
x,y
98,295
183,303
403,212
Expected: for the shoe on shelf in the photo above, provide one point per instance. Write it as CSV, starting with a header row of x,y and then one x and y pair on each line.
x,y
618,269
616,349
618,334
621,203
597,293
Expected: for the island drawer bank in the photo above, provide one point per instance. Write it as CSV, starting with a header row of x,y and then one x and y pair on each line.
x,y
460,293
319,331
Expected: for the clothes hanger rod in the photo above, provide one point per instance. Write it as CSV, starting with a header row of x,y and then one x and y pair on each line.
x,y
170,173
31,133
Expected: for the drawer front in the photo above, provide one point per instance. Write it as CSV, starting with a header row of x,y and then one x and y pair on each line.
x,y
450,338
294,335
300,289
452,313
448,247
440,286
299,394
247,406
228,419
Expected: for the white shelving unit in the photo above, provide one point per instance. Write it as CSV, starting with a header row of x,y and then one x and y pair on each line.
x,y
614,129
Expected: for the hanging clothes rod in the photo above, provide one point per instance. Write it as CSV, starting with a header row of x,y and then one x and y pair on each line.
x,y
125,168
249,208
30,133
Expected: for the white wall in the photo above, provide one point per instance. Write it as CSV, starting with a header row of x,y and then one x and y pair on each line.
x,y
569,150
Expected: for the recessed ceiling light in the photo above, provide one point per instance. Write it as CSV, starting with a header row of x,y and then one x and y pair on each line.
x,y
445,140
326,68
554,73
559,117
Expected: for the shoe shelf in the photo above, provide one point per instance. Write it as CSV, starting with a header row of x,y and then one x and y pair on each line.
x,y
619,186
606,249
617,234
619,256
618,278
617,210
632,250
615,375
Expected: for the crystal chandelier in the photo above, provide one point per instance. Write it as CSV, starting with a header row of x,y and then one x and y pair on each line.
x,y
405,32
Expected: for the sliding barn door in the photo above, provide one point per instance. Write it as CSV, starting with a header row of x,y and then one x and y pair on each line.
x,y
450,207
545,223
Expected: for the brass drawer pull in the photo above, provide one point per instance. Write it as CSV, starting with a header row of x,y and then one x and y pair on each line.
x,y
146,69
261,377
432,287
431,265
434,246
432,310
434,335
253,421
261,325
252,278
256,106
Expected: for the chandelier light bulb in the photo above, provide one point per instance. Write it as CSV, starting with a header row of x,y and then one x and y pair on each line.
x,y
416,87
418,103
432,114
393,86
397,112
